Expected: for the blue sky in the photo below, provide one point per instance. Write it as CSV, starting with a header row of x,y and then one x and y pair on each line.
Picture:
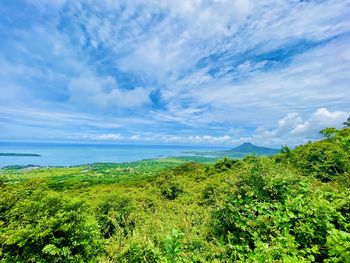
x,y
215,72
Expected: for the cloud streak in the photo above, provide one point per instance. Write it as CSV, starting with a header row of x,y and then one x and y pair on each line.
x,y
190,71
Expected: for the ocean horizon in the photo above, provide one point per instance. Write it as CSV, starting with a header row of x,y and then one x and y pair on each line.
x,y
71,154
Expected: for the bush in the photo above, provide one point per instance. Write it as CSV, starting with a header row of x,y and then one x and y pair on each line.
x,y
209,195
226,164
134,248
114,215
276,218
139,253
49,227
171,190
325,160
294,207
186,168
173,246
338,243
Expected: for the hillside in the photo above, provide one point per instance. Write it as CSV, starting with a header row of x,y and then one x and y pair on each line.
x,y
239,151
291,207
249,148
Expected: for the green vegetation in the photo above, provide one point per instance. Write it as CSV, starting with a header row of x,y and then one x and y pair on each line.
x,y
291,207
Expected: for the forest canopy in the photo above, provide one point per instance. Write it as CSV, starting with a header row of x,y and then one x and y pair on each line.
x,y
291,207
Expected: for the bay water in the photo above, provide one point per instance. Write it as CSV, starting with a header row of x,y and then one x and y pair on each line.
x,y
70,154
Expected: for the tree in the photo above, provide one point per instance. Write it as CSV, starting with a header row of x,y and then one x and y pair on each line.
x,y
347,123
329,133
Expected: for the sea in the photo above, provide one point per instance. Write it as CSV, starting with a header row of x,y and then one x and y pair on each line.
x,y
71,154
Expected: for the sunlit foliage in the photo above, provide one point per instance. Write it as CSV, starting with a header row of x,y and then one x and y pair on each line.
x,y
292,207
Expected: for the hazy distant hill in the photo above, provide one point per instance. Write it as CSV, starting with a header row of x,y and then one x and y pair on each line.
x,y
239,151
249,148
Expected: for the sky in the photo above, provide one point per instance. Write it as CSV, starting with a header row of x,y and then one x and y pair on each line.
x,y
218,72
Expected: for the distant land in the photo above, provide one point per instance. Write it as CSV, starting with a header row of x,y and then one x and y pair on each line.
x,y
240,151
249,148
20,154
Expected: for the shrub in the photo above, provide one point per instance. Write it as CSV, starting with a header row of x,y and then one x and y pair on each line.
x,y
114,215
324,160
209,195
275,218
186,168
139,253
338,243
226,164
132,249
171,190
49,227
173,246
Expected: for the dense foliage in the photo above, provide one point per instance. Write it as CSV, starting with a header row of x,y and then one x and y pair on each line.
x,y
292,207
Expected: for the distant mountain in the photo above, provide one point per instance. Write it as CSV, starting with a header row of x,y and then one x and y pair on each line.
x,y
249,148
238,152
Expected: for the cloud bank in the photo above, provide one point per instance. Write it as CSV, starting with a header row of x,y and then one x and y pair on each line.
x,y
187,71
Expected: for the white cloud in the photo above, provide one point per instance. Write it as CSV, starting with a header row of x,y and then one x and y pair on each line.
x,y
196,139
18,123
160,138
104,137
104,92
217,65
310,80
318,120
135,137
294,130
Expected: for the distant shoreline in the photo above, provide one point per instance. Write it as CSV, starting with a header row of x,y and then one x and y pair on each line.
x,y
20,154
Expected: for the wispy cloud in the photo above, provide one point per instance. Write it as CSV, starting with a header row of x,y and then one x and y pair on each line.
x,y
189,71
292,129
